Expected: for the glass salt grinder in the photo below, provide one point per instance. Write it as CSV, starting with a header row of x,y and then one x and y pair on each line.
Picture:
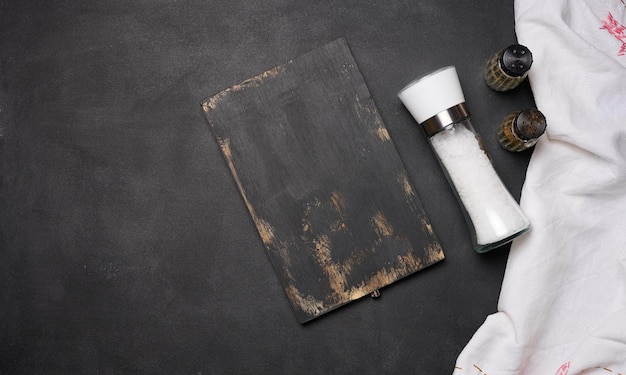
x,y
437,102
520,130
508,68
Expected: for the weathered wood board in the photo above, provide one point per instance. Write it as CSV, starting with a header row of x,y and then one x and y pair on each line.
x,y
322,180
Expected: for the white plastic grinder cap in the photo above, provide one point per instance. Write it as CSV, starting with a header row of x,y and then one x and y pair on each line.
x,y
433,93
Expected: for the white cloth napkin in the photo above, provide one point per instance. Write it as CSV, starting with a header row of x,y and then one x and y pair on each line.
x,y
562,307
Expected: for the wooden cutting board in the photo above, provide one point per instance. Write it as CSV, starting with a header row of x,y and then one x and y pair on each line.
x,y
322,180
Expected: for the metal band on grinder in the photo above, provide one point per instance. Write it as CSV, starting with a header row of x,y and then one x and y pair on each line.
x,y
442,119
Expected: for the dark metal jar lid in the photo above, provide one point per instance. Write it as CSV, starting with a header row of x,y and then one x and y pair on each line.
x,y
516,60
530,124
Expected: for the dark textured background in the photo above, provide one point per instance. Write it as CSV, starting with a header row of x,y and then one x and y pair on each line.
x,y
125,245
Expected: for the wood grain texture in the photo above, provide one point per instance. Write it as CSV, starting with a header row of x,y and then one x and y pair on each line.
x,y
322,180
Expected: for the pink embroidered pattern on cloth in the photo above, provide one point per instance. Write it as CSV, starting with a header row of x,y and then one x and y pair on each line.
x,y
563,370
617,30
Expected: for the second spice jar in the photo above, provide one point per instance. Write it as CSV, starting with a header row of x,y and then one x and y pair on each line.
x,y
520,130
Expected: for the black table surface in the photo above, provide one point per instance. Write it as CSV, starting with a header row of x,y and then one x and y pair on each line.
x,y
125,245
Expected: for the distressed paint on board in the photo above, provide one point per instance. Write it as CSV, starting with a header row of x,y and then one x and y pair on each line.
x,y
322,180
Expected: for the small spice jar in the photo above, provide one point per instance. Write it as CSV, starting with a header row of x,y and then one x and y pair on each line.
x,y
520,130
508,68
437,102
